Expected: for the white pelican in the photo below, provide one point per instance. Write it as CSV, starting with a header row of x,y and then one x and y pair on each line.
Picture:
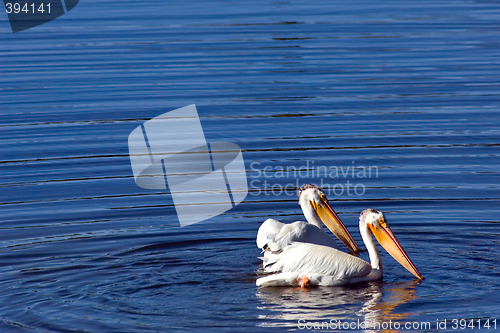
x,y
274,236
304,264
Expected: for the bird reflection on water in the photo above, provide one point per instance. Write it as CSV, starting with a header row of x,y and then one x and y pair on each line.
x,y
374,303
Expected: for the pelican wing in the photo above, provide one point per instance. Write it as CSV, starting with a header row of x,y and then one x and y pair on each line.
x,y
306,258
276,236
268,232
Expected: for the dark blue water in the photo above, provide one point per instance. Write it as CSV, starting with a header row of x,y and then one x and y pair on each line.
x,y
409,90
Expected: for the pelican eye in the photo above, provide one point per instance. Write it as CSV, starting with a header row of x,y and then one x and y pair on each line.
x,y
323,197
382,222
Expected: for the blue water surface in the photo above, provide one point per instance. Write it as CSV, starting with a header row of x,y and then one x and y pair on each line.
x,y
313,92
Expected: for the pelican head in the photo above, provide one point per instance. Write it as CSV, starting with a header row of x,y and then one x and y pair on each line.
x,y
377,224
315,204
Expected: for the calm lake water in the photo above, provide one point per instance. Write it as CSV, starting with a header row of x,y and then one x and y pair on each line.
x,y
408,90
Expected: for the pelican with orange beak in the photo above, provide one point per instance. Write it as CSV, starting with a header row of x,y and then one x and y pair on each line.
x,y
306,264
274,236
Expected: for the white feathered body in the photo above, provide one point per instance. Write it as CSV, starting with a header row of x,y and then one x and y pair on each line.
x,y
323,266
275,236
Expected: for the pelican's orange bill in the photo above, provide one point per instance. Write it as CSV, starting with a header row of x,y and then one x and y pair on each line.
x,y
390,243
334,224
